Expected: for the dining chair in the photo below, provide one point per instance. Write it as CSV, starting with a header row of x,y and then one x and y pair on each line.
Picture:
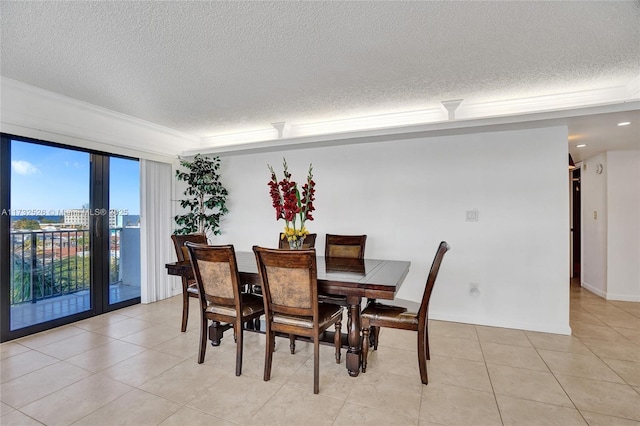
x,y
343,246
377,315
290,293
283,244
189,287
309,241
221,298
351,246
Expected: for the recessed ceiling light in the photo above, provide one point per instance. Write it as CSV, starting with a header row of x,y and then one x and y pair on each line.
x,y
582,145
624,123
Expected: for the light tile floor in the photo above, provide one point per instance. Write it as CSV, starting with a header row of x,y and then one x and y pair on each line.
x,y
134,366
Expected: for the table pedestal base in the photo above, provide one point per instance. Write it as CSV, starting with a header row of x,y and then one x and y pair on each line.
x,y
353,335
216,332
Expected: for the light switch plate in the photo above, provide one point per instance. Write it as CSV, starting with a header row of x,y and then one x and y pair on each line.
x,y
471,215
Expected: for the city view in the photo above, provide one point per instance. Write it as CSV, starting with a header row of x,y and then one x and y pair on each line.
x,y
50,233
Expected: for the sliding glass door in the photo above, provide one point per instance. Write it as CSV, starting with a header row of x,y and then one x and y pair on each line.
x,y
69,235
124,230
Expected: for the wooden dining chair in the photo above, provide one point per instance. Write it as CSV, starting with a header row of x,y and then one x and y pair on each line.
x,y
343,246
189,287
221,299
377,315
290,293
309,241
283,244
351,246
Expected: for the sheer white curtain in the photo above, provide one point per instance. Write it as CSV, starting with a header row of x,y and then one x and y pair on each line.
x,y
156,226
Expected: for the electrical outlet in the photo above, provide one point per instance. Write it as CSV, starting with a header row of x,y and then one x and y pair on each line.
x,y
471,215
595,214
473,289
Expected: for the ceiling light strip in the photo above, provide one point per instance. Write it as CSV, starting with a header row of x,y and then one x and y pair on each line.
x,y
542,103
369,122
240,138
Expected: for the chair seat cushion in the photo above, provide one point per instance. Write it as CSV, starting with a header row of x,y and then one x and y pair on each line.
x,y
389,313
251,305
327,314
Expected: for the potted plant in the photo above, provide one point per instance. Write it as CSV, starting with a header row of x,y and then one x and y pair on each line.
x,y
206,197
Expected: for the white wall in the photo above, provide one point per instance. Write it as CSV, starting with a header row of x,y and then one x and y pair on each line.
x,y
408,195
623,225
594,225
611,243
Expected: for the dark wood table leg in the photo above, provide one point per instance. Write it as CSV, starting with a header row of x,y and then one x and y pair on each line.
x,y
373,342
353,335
215,333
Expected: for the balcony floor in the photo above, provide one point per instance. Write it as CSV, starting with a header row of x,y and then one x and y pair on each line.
x,y
26,314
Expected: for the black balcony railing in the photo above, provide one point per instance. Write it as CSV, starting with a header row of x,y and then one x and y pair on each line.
x,y
48,264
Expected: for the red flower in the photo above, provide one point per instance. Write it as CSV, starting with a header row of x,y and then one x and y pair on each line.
x,y
275,196
286,198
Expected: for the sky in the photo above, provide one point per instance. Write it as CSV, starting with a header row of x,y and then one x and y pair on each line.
x,y
50,179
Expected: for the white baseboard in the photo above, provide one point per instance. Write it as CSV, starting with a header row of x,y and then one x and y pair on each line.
x,y
538,327
611,296
593,289
623,297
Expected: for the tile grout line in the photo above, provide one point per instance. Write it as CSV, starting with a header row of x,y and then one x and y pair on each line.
x,y
558,381
484,360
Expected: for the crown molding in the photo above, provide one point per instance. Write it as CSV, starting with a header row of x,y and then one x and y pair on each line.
x,y
443,128
340,131
243,137
555,102
633,87
81,105
29,108
395,119
79,139
34,110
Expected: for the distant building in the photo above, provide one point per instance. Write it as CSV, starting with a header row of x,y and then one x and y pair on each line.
x,y
80,217
130,221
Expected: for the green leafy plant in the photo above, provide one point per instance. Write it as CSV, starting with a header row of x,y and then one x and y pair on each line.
x,y
25,223
206,196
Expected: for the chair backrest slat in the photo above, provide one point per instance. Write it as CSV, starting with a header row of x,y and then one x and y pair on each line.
x,y
351,246
178,243
431,280
289,280
289,287
216,272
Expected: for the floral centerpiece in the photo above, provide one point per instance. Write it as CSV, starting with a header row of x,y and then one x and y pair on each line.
x,y
292,206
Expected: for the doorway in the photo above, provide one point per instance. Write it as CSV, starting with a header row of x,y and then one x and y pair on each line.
x,y
576,225
69,234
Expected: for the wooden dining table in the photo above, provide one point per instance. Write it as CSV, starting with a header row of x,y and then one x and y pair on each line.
x,y
352,278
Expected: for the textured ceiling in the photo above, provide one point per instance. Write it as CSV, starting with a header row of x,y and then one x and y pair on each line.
x,y
210,68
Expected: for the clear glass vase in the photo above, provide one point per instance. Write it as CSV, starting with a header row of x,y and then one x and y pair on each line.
x,y
296,244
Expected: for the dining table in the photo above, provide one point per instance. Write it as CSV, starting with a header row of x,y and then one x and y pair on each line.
x,y
352,279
